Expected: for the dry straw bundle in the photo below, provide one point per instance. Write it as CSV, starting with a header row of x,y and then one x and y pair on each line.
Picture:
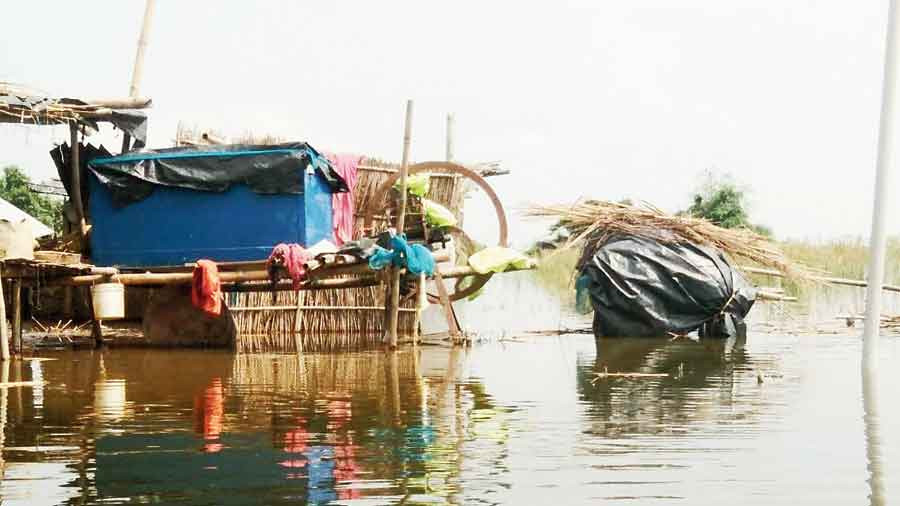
x,y
593,222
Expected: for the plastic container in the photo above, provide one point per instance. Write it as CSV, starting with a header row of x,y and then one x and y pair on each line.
x,y
109,301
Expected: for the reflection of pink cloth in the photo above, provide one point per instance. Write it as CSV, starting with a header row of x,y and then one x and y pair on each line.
x,y
295,441
342,203
293,258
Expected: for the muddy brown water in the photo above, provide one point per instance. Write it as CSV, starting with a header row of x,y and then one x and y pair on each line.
x,y
773,420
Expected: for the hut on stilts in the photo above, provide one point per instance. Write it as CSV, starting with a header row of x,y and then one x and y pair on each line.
x,y
142,219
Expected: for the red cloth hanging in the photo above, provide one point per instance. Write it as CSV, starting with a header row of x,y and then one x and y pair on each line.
x,y
206,290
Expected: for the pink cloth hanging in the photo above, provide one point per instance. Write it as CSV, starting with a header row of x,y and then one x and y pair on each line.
x,y
342,203
293,258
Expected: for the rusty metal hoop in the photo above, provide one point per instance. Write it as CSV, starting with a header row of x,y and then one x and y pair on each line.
x,y
448,168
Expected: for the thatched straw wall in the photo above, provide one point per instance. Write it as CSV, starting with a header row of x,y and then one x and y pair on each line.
x,y
359,322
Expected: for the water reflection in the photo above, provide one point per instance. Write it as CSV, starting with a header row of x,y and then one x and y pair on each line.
x,y
872,424
501,423
703,379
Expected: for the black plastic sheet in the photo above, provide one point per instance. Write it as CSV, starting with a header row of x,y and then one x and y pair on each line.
x,y
269,169
62,158
645,288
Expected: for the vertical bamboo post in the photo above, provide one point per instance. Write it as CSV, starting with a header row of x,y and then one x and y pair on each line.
x,y
450,124
394,307
76,177
67,301
4,402
421,301
452,327
4,331
17,315
137,72
298,314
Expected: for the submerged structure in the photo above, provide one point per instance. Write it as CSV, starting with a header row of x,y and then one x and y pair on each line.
x,y
645,273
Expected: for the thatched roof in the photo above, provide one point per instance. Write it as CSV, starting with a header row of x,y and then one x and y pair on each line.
x,y
24,105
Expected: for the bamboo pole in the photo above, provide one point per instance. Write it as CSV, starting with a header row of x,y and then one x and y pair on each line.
x,y
316,308
137,72
4,332
132,102
76,178
421,301
452,327
823,279
315,281
4,403
450,129
401,223
67,301
17,315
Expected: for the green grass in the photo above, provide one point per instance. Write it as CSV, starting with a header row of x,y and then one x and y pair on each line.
x,y
840,258
556,272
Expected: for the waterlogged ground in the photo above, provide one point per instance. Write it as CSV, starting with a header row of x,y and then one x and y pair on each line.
x,y
775,420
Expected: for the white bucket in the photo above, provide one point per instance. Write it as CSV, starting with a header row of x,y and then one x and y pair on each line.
x,y
109,301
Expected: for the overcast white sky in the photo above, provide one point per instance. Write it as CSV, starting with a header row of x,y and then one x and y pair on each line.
x,y
607,99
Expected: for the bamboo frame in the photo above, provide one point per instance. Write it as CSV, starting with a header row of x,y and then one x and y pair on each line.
x,y
392,314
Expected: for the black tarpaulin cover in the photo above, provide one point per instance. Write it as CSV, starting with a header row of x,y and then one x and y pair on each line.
x,y
646,288
269,169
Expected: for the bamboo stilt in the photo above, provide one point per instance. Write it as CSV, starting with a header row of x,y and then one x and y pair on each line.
x,y
76,178
67,301
452,327
421,301
401,223
17,315
4,402
4,331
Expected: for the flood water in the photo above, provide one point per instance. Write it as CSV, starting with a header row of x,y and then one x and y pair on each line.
x,y
514,422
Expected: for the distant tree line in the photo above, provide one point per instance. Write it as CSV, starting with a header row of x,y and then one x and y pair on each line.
x,y
15,190
722,201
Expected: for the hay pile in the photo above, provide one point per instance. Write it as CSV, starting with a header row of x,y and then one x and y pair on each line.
x,y
593,222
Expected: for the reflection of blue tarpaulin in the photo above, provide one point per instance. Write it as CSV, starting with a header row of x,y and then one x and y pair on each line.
x,y
321,474
407,445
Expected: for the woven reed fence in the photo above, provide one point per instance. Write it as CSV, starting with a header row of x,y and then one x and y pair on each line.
x,y
330,320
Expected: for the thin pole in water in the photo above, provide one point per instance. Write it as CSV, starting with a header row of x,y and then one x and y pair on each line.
x,y
394,307
877,247
878,240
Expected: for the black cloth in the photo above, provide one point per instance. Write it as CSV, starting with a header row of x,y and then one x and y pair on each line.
x,y
361,248
62,158
646,288
269,169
